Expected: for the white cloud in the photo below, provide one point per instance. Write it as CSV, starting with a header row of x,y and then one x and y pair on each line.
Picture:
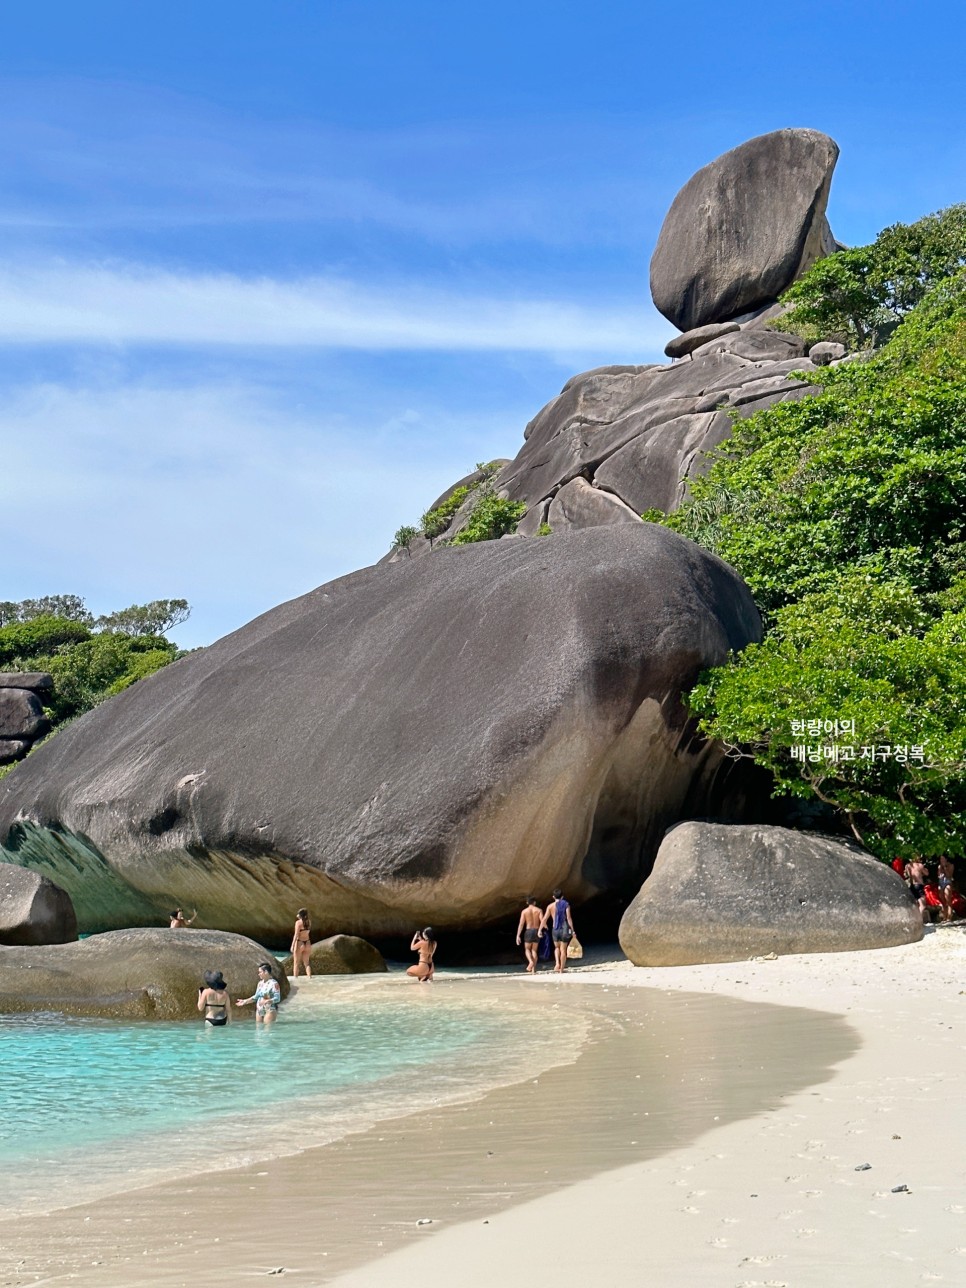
x,y
133,305
221,493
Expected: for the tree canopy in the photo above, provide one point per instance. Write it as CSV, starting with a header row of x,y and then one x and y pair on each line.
x,y
846,515
90,659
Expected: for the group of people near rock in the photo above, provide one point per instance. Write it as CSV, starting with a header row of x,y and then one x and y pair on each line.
x,y
556,921
935,890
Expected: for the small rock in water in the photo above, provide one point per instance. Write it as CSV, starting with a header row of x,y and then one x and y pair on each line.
x,y
425,1220
864,1167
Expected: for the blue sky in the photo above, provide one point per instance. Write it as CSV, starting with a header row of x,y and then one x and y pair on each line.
x,y
272,275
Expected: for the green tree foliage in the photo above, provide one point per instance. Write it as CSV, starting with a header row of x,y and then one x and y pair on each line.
x,y
866,652
492,517
97,668
846,515
156,618
71,607
435,522
404,537
89,660
23,641
859,295
489,518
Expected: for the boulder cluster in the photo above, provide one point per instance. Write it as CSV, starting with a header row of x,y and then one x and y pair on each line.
x,y
449,732
22,719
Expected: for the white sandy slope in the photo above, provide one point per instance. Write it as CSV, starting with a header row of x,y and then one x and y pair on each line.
x,y
775,1201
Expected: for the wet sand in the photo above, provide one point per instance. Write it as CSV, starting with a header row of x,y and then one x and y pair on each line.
x,y
727,1153
658,1073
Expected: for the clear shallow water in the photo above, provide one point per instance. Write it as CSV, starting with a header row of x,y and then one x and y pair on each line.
x,y
94,1107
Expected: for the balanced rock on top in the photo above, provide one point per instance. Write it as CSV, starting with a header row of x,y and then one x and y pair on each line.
x,y
744,228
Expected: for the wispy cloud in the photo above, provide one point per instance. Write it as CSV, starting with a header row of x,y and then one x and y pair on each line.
x,y
221,492
133,305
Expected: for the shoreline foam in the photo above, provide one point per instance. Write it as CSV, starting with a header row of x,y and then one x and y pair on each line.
x,y
659,1071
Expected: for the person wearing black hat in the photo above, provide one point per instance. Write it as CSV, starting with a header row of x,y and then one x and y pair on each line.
x,y
213,999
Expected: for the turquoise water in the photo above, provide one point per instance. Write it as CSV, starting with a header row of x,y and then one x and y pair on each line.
x,y
93,1107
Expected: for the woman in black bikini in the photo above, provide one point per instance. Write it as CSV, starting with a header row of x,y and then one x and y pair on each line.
x,y
424,943
302,944
213,999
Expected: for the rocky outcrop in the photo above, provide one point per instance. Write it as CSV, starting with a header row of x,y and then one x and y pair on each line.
x,y
33,910
744,228
140,974
22,719
620,440
442,737
726,893
342,955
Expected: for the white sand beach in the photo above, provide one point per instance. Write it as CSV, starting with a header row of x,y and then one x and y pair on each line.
x,y
851,1061
775,1201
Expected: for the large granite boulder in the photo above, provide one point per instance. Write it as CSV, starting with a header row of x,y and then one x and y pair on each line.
x,y
33,910
143,974
22,718
427,741
342,955
744,228
726,893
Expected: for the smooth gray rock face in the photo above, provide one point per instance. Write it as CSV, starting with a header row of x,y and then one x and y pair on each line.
x,y
38,681
757,346
744,228
439,738
139,974
578,505
728,892
638,473
682,345
342,955
12,749
826,351
21,715
33,910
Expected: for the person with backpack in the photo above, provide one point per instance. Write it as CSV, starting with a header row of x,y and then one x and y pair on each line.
x,y
558,917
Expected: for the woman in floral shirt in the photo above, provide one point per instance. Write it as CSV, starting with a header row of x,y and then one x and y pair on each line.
x,y
266,997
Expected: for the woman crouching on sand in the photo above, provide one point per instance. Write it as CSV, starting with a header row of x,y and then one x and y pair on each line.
x,y
266,997
302,944
213,999
424,943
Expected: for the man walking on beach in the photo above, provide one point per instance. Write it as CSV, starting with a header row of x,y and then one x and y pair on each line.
x,y
528,931
917,875
558,916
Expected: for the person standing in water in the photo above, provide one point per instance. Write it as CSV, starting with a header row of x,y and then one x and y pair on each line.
x,y
558,917
213,999
302,944
424,943
177,919
529,932
267,996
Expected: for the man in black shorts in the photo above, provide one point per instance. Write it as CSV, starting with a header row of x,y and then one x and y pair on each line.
x,y
528,932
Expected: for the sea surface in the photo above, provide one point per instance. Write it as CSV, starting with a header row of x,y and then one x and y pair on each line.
x,y
94,1108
